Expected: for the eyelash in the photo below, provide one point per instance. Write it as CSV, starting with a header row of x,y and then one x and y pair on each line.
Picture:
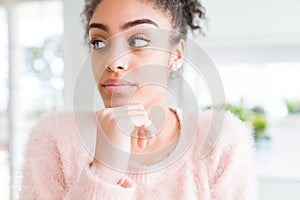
x,y
94,42
141,37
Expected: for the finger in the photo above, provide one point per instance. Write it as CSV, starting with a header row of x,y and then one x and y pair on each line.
x,y
120,109
151,130
141,119
135,112
142,139
128,108
126,122
130,114
137,118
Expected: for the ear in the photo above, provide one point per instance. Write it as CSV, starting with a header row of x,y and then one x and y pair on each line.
x,y
176,58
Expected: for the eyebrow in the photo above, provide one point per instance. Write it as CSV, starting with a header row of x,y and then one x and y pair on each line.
x,y
126,25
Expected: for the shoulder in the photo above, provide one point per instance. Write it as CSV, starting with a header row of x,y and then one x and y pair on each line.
x,y
65,133
63,121
227,152
45,133
50,123
62,127
223,143
220,132
42,141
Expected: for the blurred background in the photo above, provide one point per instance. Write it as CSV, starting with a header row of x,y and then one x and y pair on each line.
x,y
255,46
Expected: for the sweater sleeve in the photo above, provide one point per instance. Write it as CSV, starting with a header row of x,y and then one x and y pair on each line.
x,y
43,174
91,186
233,163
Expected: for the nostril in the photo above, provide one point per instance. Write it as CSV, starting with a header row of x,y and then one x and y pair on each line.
x,y
115,68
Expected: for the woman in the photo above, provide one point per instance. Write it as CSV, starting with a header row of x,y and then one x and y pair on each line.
x,y
133,150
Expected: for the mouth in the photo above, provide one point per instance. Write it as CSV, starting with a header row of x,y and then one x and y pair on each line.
x,y
117,86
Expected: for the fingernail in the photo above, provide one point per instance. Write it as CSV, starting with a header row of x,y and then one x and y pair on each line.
x,y
142,143
121,181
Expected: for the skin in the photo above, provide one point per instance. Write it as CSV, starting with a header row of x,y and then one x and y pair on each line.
x,y
111,31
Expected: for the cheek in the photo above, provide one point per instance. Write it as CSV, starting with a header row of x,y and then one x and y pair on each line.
x,y
147,94
138,62
98,67
149,66
151,57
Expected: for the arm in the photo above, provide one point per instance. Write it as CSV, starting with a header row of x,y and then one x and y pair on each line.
x,y
113,147
96,183
43,175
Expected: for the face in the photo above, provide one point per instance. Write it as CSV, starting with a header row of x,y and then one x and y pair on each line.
x,y
131,53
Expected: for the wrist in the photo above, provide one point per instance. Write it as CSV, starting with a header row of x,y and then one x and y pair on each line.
x,y
106,173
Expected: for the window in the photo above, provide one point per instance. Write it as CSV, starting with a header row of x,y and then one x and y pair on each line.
x,y
268,85
4,96
33,83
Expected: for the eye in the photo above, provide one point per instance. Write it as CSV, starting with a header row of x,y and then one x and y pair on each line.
x,y
139,41
98,44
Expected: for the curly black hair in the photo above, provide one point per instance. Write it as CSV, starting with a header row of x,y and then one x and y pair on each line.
x,y
183,14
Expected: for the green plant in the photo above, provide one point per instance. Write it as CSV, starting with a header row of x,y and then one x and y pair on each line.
x,y
40,58
45,64
254,116
293,106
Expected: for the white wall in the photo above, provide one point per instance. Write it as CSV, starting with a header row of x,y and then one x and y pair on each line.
x,y
278,189
255,21
252,31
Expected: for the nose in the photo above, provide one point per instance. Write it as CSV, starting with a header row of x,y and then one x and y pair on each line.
x,y
118,57
117,66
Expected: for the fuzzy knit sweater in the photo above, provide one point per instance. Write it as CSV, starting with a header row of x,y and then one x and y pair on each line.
x,y
207,163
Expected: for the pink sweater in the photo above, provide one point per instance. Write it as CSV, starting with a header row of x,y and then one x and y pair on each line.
x,y
57,165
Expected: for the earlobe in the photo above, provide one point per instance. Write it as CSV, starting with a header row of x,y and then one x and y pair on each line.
x,y
177,58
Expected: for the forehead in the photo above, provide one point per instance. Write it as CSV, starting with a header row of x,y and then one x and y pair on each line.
x,y
115,13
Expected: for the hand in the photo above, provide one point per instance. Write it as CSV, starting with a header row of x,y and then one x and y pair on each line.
x,y
116,127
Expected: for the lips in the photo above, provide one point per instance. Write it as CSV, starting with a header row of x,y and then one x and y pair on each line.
x,y
117,86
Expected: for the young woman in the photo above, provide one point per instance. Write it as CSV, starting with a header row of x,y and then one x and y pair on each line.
x,y
142,150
